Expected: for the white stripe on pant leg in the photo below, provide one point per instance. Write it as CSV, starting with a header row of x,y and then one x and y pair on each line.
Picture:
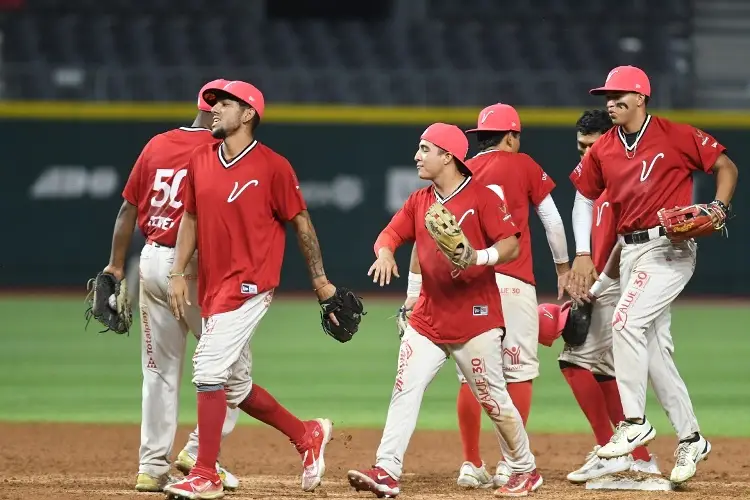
x,y
419,360
668,385
658,272
481,362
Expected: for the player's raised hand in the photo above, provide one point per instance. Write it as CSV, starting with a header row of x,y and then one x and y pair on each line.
x,y
178,295
383,268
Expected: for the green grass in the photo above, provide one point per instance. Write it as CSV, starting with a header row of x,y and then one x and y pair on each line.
x,y
53,370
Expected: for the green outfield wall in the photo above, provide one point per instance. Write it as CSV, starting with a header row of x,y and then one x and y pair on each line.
x,y
64,166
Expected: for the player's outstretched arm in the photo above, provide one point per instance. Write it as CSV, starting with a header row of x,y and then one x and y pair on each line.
x,y
121,237
184,250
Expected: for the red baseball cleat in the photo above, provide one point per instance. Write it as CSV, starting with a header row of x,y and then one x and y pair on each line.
x,y
520,485
375,480
196,488
319,432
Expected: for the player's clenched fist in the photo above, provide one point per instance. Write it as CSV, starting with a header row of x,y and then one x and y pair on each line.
x,y
178,294
384,267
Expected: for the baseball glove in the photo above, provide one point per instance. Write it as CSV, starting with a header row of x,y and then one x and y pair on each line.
x,y
692,221
109,303
450,239
577,326
348,310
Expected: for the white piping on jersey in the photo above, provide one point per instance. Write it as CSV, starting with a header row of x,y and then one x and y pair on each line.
x,y
454,193
245,151
485,152
624,140
194,129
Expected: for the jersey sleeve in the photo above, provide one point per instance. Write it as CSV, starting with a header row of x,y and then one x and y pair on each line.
x,y
287,199
495,217
699,148
403,222
131,191
188,191
587,176
540,184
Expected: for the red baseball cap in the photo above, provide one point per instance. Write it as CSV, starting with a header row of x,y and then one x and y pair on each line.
x,y
243,91
552,319
451,139
625,79
202,104
498,118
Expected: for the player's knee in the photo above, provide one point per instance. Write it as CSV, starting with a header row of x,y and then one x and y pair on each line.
x,y
238,391
207,379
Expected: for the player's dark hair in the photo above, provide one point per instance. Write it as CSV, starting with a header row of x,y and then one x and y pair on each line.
x,y
487,139
594,121
254,122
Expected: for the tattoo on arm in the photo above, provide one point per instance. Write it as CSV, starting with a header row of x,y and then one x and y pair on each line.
x,y
309,245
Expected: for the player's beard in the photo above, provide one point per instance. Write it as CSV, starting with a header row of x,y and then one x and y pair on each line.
x,y
219,133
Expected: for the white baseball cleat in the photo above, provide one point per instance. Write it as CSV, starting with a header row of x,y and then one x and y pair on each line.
x,y
595,467
502,474
688,455
472,477
628,436
650,467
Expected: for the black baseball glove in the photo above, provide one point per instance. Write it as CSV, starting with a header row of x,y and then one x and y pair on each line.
x,y
115,314
577,327
348,310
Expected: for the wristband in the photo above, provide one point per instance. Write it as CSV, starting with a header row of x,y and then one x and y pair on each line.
x,y
488,256
414,286
172,275
601,285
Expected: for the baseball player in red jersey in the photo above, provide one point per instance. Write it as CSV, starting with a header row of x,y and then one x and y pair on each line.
x,y
238,196
153,195
589,368
646,163
458,317
520,182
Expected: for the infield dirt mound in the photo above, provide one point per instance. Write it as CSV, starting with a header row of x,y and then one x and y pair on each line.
x,y
64,461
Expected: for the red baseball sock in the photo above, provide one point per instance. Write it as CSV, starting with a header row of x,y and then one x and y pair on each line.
x,y
616,415
591,400
260,405
469,423
520,394
212,410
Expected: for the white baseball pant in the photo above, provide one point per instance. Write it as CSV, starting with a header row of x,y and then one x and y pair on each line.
x,y
481,362
163,341
652,275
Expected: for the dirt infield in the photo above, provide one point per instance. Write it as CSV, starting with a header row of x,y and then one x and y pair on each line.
x,y
100,461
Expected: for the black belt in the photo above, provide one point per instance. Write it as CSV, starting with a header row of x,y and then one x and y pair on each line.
x,y
643,236
154,243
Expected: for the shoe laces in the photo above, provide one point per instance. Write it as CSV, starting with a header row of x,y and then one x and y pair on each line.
x,y
620,430
683,454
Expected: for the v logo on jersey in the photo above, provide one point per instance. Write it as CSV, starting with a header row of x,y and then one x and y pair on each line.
x,y
645,173
469,211
236,194
599,213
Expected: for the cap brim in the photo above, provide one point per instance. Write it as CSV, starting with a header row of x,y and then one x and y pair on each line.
x,y
606,90
562,318
491,130
216,94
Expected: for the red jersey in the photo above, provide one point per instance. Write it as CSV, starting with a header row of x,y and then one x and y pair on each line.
x,y
454,310
603,233
241,207
156,182
518,180
653,173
